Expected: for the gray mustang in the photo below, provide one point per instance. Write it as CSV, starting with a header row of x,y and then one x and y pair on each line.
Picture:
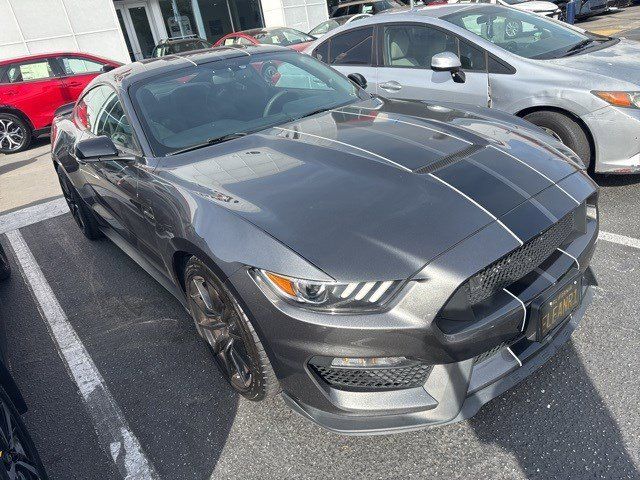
x,y
581,87
387,265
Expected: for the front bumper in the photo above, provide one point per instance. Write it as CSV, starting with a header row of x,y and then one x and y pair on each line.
x,y
474,384
616,134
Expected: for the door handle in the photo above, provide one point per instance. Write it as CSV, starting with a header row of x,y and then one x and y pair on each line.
x,y
391,86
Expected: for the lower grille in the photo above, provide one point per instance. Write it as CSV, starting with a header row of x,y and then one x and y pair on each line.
x,y
519,262
373,378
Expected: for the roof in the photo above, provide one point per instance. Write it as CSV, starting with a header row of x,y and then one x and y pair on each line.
x,y
132,72
168,41
255,31
54,54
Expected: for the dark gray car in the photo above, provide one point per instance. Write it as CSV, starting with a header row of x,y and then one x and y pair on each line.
x,y
387,265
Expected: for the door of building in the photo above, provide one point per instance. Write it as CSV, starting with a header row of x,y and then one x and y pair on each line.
x,y
138,27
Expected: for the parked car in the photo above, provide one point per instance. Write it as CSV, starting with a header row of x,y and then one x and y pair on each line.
x,y
541,7
365,6
283,36
171,46
387,265
19,458
33,87
572,83
332,23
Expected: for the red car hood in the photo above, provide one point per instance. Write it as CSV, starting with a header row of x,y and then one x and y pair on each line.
x,y
299,47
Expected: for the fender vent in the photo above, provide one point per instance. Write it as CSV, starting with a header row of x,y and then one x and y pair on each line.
x,y
449,159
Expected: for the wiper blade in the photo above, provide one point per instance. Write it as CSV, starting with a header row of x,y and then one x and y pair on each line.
x,y
579,46
320,110
211,141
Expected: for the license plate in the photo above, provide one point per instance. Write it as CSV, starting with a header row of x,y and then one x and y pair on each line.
x,y
553,309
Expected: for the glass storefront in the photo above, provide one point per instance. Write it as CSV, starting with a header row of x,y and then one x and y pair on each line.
x,y
210,19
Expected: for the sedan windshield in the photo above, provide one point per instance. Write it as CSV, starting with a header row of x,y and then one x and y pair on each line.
x,y
525,34
221,100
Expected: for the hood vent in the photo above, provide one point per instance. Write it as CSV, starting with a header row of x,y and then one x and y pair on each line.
x,y
449,159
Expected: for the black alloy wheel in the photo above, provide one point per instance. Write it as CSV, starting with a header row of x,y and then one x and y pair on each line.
x,y
80,212
19,459
15,135
222,323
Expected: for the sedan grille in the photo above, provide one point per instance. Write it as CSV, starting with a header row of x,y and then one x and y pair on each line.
x,y
519,262
373,378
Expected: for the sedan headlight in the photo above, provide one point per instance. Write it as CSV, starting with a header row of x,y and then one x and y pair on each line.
x,y
620,99
327,296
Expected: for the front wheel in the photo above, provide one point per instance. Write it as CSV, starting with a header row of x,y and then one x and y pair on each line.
x,y
565,129
19,459
15,134
84,217
221,321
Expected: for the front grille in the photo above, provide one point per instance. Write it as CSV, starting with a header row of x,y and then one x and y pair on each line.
x,y
373,378
519,262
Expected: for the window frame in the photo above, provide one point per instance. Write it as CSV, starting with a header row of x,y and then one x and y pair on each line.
x,y
374,49
58,60
137,150
53,65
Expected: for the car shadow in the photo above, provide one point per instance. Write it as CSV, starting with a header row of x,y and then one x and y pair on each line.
x,y
616,180
557,425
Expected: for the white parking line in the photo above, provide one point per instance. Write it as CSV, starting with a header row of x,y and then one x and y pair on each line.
x,y
619,239
36,213
111,427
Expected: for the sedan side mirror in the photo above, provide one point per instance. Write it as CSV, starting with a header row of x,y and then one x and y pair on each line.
x,y
448,62
358,79
95,149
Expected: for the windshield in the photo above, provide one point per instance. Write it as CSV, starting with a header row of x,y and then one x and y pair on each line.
x,y
324,27
282,36
197,105
525,34
515,2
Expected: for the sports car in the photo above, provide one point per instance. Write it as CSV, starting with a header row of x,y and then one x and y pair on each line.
x,y
384,265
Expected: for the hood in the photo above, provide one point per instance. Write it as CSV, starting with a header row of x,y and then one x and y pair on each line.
x,y
537,6
619,61
376,190
300,47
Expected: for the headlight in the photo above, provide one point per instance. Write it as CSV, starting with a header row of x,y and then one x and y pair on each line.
x,y
327,296
620,99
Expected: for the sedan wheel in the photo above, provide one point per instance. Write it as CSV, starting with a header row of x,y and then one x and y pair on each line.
x,y
14,134
222,323
81,213
19,459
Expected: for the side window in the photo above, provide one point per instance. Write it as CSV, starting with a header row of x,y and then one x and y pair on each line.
x,y
100,112
413,46
80,66
230,41
352,47
28,71
472,58
322,52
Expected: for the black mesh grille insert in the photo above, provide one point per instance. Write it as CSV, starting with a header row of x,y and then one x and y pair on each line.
x,y
449,159
374,378
519,262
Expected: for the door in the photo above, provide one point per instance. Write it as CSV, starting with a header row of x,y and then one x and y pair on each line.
x,y
34,87
405,70
77,72
113,183
140,32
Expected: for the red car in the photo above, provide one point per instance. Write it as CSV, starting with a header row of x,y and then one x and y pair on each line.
x,y
33,87
287,37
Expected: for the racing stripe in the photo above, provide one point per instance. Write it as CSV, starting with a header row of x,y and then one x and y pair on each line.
x,y
527,220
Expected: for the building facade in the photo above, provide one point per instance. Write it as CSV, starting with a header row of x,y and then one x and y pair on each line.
x,y
129,29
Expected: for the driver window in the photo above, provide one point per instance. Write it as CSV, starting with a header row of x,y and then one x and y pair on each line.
x,y
413,46
102,114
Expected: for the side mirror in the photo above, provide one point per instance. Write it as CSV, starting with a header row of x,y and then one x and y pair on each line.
x,y
358,79
95,149
107,68
448,62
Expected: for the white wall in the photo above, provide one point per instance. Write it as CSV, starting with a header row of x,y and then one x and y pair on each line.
x,y
299,14
42,26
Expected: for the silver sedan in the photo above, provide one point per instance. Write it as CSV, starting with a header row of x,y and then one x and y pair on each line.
x,y
582,88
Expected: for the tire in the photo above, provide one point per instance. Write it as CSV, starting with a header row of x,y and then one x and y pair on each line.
x,y
82,214
24,451
221,321
15,134
564,129
5,267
